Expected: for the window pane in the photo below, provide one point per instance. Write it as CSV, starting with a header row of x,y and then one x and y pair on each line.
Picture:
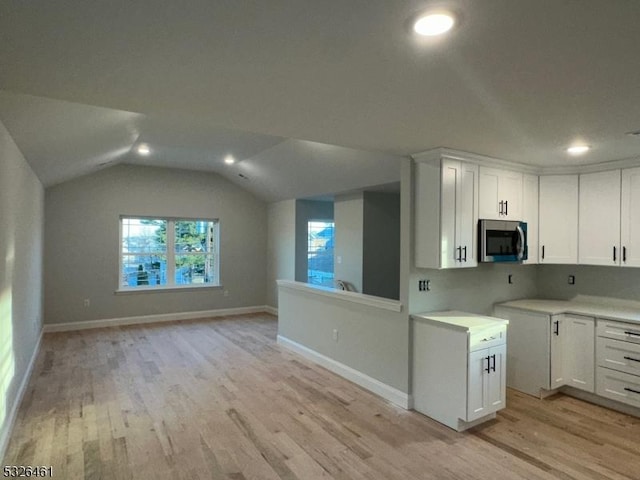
x,y
320,253
195,269
141,235
144,270
195,236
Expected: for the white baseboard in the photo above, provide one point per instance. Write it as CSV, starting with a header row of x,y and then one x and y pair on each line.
x,y
387,392
271,310
12,413
162,317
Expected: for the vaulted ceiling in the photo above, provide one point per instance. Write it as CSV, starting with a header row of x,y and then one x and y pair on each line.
x,y
294,88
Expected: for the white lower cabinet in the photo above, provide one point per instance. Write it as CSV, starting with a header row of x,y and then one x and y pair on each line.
x,y
618,358
619,386
486,382
579,345
593,354
459,367
546,352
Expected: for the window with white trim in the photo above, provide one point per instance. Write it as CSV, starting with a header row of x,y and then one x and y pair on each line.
x,y
320,241
168,253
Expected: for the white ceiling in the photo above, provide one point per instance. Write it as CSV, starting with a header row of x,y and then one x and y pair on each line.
x,y
517,80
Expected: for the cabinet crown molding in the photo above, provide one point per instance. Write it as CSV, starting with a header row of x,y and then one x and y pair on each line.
x,y
435,155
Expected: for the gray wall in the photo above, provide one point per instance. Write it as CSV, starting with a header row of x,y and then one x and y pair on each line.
x,y
348,215
81,248
381,245
472,290
21,246
307,210
616,282
281,246
370,340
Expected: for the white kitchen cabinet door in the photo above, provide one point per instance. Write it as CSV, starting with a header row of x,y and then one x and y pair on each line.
x,y
467,215
558,215
497,385
500,194
579,351
599,219
630,218
530,215
478,384
528,349
450,223
558,352
446,214
487,384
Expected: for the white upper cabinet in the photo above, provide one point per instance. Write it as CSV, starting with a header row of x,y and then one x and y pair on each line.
x,y
530,215
558,225
630,231
581,218
599,219
446,214
500,194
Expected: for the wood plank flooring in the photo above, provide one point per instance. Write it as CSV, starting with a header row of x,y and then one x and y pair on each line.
x,y
219,399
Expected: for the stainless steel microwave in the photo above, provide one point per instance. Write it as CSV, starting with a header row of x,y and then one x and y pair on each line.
x,y
502,241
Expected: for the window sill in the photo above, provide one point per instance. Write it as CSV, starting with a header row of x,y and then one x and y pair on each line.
x,y
187,288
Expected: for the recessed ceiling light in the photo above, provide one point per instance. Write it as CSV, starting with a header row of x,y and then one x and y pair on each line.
x,y
435,23
229,160
143,149
578,149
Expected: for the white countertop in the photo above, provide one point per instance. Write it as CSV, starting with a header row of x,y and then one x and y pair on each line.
x,y
460,320
610,309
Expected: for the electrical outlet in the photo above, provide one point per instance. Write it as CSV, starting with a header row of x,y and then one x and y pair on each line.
x,y
226,293
335,334
424,285
87,302
572,279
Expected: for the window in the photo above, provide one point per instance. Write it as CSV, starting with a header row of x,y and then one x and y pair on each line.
x,y
320,239
166,252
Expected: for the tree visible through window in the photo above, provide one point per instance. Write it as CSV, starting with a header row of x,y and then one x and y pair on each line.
x,y
159,252
320,240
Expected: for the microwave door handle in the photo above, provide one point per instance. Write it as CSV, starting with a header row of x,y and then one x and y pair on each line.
x,y
522,242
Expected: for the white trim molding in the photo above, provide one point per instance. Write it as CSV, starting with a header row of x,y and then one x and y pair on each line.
x,y
355,297
142,319
271,310
12,413
434,156
385,391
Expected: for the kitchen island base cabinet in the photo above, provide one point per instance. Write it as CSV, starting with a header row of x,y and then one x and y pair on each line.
x,y
458,373
487,381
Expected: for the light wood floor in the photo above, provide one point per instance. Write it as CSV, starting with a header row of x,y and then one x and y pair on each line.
x,y
219,399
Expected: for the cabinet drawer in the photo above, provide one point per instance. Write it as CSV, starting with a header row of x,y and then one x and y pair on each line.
x,y
618,386
618,355
488,337
629,332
